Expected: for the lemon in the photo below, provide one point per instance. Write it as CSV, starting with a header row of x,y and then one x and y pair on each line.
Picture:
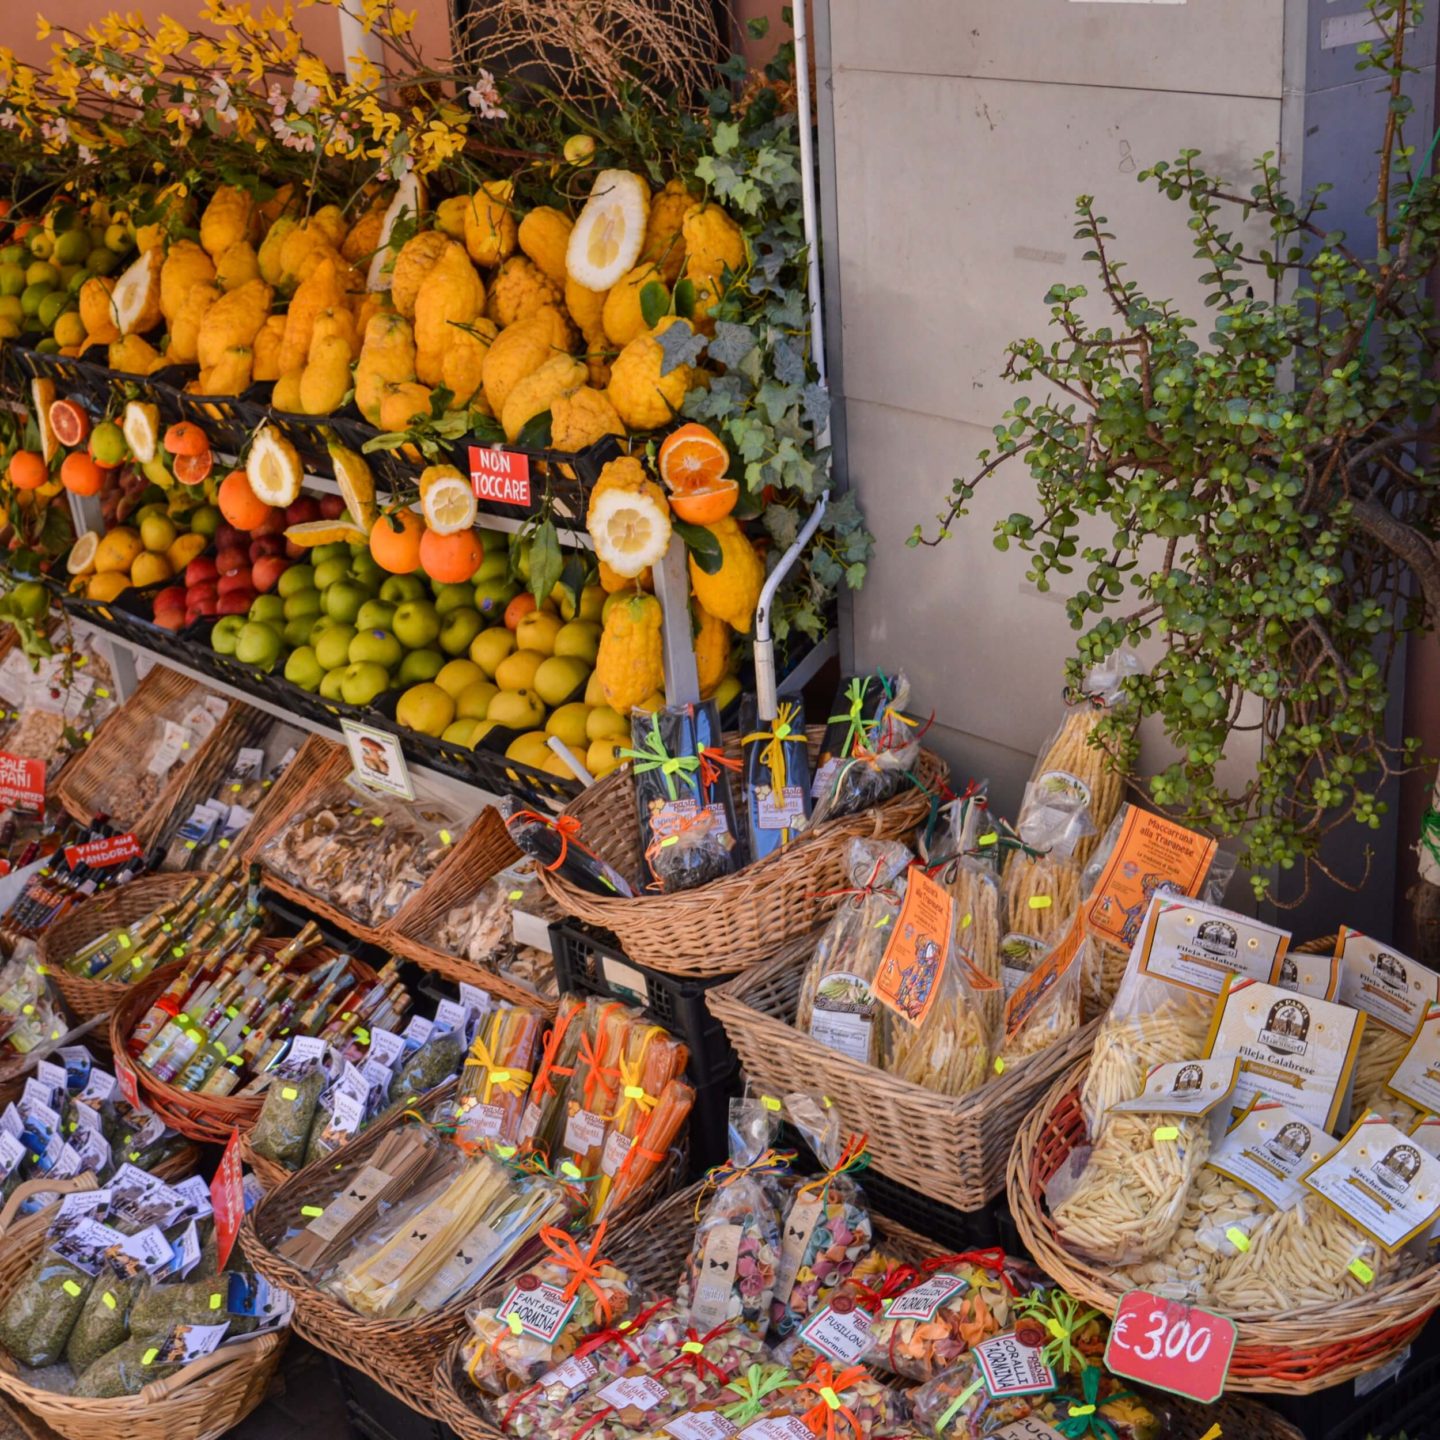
x,y
107,586
517,671
604,723
356,484
149,569
81,560
568,722
117,551
426,708
158,533
530,749
473,702
610,232
273,469
185,549
70,329
447,500
458,676
141,427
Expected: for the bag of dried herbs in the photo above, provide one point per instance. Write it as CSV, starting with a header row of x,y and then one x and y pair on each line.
x,y
104,1321
42,1310
190,1302
125,1370
281,1132
431,1065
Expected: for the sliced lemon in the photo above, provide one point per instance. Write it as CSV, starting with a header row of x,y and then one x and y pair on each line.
x,y
273,468
43,393
141,426
325,532
631,530
447,500
81,560
357,486
610,232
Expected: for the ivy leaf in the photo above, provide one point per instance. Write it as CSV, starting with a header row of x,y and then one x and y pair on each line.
x,y
679,345
789,362
701,544
654,303
815,401
759,27
855,576
727,138
783,524
731,343
536,433
546,563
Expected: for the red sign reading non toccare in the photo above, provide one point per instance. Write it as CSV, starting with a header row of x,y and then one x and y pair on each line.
x,y
227,1195
1171,1345
97,854
22,782
500,475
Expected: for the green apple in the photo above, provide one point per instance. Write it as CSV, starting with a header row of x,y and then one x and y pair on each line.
x,y
375,647
367,571
337,550
343,601
363,681
416,623
332,648
302,605
297,632
295,579
226,633
303,669
579,640
453,597
495,566
400,588
258,644
375,615
270,610
492,596
459,629
332,572
419,666
331,683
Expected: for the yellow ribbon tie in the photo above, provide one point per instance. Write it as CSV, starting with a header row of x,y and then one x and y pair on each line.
x,y
505,1078
773,755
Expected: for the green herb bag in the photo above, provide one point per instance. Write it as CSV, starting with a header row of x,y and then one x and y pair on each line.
x,y
122,1371
42,1310
281,1132
431,1065
190,1302
105,1319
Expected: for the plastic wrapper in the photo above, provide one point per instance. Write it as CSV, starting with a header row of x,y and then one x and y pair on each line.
x,y
104,1322
542,1124
125,1370
775,761
500,1354
1046,1006
976,892
497,1075
826,1229
432,1064
366,855
729,1276
42,1310
482,928
866,1406
204,1300
29,1021
689,828
837,1006
283,1128
338,1119
554,842
743,1399
594,1089
43,710
870,749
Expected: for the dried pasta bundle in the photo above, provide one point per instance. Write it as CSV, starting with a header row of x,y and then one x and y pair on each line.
x,y
1129,1199
1041,895
1074,791
652,1144
543,1123
977,930
595,1086
497,1073
1046,1007
1381,1050
1130,1046
949,1050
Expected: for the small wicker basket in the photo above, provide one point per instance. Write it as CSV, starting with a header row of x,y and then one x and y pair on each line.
x,y
739,921
200,1402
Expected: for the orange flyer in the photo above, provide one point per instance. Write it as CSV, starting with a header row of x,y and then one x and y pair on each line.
x,y
914,962
1152,855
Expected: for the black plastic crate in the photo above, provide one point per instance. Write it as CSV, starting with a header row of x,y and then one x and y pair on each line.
x,y
376,1414
566,475
589,962
709,1122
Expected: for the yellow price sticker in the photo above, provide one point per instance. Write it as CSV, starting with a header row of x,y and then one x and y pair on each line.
x,y
1167,1132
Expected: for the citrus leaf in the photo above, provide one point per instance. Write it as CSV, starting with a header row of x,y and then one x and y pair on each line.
x,y
536,433
654,303
486,429
702,544
545,560
685,297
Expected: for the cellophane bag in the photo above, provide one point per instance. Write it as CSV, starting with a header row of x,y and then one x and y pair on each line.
x,y
729,1276
836,1005
870,750
1046,1006
868,1402
283,1129
555,843
742,1400
826,1229
775,763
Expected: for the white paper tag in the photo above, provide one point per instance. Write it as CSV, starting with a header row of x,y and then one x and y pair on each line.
x,y
639,1392
573,1373
11,1122
1185,1087
920,1302
99,1087
1388,986
1269,1149
840,1331
1382,1181
701,1425
540,1310
1010,1368
417,1032
583,1131
187,1251
782,814
149,1249
386,1047
617,1147
450,1015
1186,942
843,1015
1417,1077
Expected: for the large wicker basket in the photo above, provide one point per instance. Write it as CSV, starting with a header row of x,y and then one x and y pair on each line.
x,y
207,1118
399,1355
953,1150
485,850
1309,1350
317,756
741,920
109,910
200,1402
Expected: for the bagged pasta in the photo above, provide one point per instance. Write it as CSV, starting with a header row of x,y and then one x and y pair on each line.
x,y
594,1090
553,842
841,1403
542,1122
975,889
729,1276
836,1005
1040,895
523,1332
825,1230
497,1075
1045,1008
743,1399
775,765
870,748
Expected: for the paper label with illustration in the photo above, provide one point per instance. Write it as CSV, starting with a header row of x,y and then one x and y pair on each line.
x,y
583,1131
710,1303
1019,955
908,980
639,1392
1198,946
1043,978
1417,1077
572,1373
1010,1368
1388,986
1269,1149
700,1425
1026,1429
1317,975
782,814
1380,1179
843,1017
1185,1087
540,1310
1292,1048
1152,856
804,1215
841,1331
920,1302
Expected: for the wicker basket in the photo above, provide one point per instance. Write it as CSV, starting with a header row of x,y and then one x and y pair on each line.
x,y
110,910
399,1355
200,1402
485,850
316,756
122,740
952,1149
207,1118
741,920
270,1175
1309,1350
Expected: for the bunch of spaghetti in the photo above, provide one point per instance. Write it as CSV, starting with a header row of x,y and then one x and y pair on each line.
x,y
976,893
497,1074
542,1126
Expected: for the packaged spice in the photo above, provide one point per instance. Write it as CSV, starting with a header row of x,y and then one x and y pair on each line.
x,y
870,748
283,1128
434,1061
41,1311
731,1270
523,1332
104,1321
775,763
553,842
125,1370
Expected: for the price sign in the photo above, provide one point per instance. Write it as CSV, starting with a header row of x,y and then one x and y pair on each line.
x,y
500,475
1171,1345
227,1195
98,854
22,782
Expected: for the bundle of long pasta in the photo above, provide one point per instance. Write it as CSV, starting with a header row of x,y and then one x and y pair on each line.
x,y
594,1090
1046,1006
497,1074
542,1126
977,929
648,1151
1041,894
1075,788
652,1058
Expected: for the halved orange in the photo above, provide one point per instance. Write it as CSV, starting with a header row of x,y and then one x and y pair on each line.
x,y
692,457
186,438
69,422
705,504
193,466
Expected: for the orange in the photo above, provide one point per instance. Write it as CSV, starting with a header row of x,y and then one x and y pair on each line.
x,y
707,504
692,458
69,422
80,475
239,504
186,439
397,550
451,559
193,466
28,471
518,609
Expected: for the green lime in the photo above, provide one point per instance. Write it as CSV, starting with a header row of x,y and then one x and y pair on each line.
x,y
52,307
31,600
48,345
14,255
205,520
76,282
107,444
72,247
103,261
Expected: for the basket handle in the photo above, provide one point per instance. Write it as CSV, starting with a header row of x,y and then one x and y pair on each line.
x,y
219,1356
41,1186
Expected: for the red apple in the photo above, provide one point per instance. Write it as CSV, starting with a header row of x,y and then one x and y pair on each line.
x,y
233,557
171,619
235,580
268,569
272,524
294,551
203,594
237,602
331,507
266,545
172,597
303,511
227,537
201,572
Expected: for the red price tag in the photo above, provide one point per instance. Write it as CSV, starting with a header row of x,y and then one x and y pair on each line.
x,y
227,1195
129,1087
1171,1345
97,854
500,475
22,782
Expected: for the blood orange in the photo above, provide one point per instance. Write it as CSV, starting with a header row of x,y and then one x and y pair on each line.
x,y
191,467
69,422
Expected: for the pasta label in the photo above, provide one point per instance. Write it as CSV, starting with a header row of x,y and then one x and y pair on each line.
x,y
345,1207
584,1130
920,1302
1198,946
573,1372
841,1331
804,1215
1293,1048
709,1305
1186,1087
908,980
1385,984
1152,856
701,1425
1417,1076
1041,980
540,1310
1382,1181
778,1427
1019,955
1317,975
1268,1151
637,1392
1011,1368
843,1015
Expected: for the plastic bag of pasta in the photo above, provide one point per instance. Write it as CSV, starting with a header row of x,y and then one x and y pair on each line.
x,y
975,888
876,755
870,1406
1046,1007
948,1049
836,1005
283,1129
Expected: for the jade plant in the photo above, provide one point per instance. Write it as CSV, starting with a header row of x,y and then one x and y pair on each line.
x,y
1258,488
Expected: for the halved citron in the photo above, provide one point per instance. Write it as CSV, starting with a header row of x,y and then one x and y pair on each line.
x,y
630,527
447,500
324,532
610,232
357,485
42,391
141,424
81,560
273,469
